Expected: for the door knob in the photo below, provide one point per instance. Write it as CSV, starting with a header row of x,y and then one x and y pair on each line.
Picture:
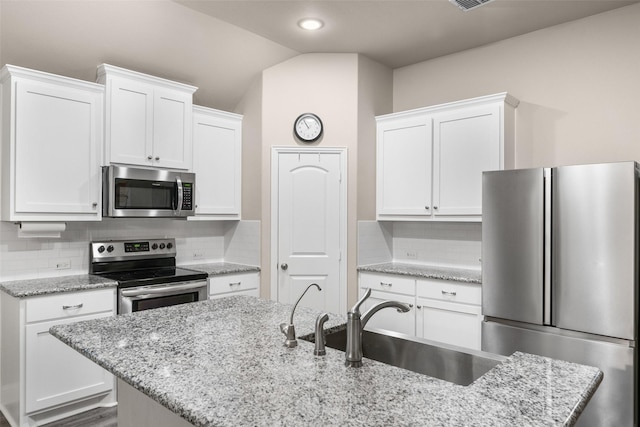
x,y
284,266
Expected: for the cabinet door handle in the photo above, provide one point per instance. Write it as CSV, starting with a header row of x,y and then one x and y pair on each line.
x,y
388,285
426,207
149,157
453,294
419,307
157,157
232,284
72,307
435,207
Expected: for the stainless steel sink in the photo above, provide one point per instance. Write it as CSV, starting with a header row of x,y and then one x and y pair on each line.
x,y
449,363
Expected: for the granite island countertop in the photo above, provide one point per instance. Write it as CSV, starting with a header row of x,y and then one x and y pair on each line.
x,y
222,362
425,271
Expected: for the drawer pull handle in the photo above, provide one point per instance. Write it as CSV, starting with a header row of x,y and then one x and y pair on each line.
x,y
232,284
453,294
72,307
386,284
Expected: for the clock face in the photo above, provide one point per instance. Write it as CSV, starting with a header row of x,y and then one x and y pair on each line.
x,y
308,127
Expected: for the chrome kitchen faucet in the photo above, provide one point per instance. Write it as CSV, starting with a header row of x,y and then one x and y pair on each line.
x,y
356,323
288,330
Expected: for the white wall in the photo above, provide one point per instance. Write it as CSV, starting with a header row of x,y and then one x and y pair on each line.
x,y
196,242
577,82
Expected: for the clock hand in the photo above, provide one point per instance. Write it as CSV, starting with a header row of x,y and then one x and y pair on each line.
x,y
305,123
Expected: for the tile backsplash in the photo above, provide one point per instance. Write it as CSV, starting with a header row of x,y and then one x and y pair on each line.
x,y
196,242
435,243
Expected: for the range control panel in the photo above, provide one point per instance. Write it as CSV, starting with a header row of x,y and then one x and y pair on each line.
x,y
113,250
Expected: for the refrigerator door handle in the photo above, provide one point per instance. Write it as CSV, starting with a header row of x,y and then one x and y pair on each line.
x,y
547,247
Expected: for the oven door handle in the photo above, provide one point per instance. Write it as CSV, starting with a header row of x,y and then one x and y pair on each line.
x,y
160,290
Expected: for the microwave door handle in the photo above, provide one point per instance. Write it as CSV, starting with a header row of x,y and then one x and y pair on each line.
x,y
178,209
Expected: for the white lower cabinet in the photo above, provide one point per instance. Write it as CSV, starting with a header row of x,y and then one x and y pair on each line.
x,y
441,310
234,284
390,318
43,379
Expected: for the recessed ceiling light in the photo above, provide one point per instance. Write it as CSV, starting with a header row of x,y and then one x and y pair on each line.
x,y
310,24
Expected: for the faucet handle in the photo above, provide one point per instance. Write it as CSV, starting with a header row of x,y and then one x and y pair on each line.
x,y
319,348
356,307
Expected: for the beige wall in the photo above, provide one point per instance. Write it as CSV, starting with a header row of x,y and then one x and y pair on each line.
x,y
158,37
375,97
578,83
251,109
336,87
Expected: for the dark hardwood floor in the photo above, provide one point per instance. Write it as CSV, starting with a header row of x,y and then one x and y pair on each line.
x,y
99,417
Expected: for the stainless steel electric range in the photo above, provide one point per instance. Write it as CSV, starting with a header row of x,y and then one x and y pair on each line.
x,y
146,273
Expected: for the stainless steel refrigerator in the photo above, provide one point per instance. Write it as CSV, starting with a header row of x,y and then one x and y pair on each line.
x,y
560,274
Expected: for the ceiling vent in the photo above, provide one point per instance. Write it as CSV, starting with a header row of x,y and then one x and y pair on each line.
x,y
469,4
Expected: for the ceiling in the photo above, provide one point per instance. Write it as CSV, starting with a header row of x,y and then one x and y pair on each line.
x,y
396,32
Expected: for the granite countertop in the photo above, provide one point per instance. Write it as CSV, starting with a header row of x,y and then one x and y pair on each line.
x,y
55,285
217,268
426,271
222,362
82,282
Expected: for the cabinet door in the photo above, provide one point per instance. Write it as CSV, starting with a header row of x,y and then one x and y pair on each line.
x,y
449,323
466,143
57,152
404,166
55,373
129,132
217,163
172,144
389,318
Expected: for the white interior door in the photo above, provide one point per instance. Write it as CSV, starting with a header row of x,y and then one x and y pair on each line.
x,y
309,216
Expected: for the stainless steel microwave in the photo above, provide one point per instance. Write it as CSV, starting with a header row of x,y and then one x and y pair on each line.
x,y
147,193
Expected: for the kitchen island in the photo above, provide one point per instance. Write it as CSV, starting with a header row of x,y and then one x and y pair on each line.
x,y
222,362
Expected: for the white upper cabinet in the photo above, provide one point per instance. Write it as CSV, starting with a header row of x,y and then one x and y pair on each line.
x,y
217,163
403,181
147,119
51,145
430,160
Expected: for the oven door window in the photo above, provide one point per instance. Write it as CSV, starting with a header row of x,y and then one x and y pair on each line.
x,y
163,301
142,194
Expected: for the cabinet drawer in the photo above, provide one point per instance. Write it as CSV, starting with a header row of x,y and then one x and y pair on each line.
x,y
388,283
70,304
233,283
445,290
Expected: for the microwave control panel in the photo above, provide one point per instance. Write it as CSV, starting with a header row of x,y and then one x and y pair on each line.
x,y
187,196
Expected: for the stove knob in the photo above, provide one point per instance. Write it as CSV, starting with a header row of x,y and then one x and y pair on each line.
x,y
154,246
101,249
161,245
169,245
110,248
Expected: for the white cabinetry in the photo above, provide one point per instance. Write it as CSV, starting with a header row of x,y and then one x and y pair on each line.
x,y
430,160
449,312
390,287
441,310
217,163
42,378
234,284
51,142
147,119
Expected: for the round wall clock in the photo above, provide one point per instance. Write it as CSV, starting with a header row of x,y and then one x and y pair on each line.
x,y
308,127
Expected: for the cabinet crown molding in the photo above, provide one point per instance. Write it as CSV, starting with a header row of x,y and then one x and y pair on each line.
x,y
480,100
9,71
105,70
